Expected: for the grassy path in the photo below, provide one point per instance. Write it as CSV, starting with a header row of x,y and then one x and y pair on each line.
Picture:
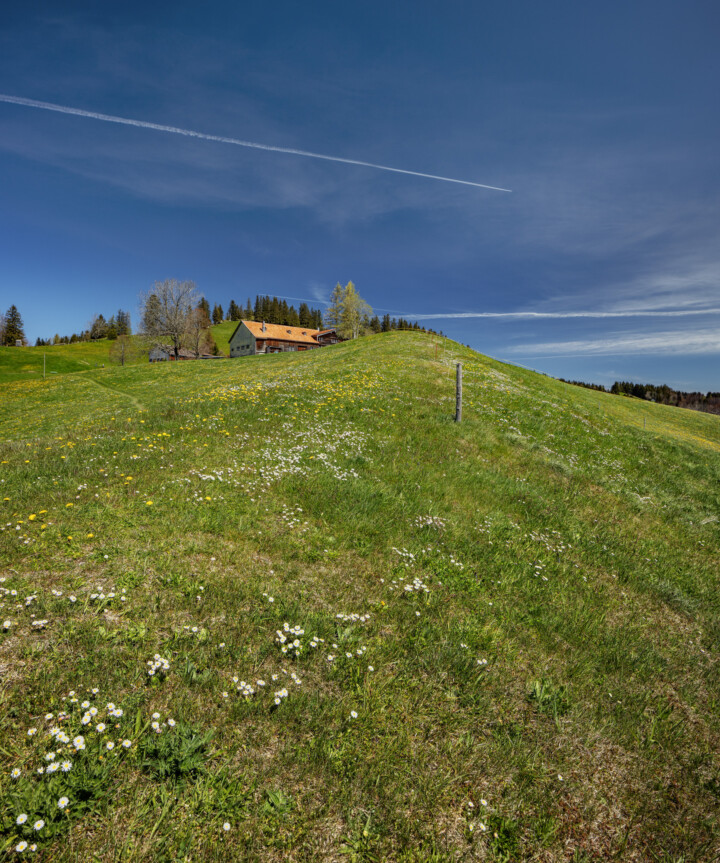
x,y
114,388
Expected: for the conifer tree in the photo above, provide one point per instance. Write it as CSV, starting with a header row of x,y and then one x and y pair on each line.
x,y
304,315
275,311
98,327
234,312
333,313
122,322
217,315
13,326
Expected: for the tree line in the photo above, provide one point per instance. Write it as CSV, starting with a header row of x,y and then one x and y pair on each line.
x,y
663,395
271,310
175,314
99,328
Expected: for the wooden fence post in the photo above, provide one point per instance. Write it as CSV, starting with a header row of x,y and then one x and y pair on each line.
x,y
458,393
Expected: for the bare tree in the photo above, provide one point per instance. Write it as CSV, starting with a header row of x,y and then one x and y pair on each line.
x,y
126,349
198,337
165,311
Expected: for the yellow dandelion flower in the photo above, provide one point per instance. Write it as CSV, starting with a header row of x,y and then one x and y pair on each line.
x,y
148,503
32,517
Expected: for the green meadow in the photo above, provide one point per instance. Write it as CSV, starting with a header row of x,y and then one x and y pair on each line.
x,y
284,608
30,363
26,364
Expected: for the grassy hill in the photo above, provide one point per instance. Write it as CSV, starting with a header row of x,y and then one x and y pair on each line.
x,y
23,364
221,333
374,634
27,363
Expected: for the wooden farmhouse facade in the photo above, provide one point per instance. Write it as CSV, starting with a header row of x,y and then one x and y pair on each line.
x,y
255,337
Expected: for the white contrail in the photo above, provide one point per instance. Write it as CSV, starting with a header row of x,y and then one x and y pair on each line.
x,y
189,133
632,313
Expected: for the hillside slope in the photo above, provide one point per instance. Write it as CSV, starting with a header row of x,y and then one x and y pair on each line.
x,y
26,363
387,636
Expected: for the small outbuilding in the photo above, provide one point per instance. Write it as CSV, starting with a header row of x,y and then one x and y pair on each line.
x,y
165,353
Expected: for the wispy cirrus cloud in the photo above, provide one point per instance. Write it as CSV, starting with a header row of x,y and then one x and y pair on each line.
x,y
629,313
688,342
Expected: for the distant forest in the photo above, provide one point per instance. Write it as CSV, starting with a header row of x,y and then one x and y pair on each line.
x,y
663,395
269,309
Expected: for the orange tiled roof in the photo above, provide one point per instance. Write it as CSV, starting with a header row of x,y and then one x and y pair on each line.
x,y
304,335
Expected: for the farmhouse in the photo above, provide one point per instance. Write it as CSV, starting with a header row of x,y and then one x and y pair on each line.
x,y
253,337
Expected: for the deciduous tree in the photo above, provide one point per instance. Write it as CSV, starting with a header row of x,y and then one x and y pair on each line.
x,y
165,312
198,337
354,312
348,312
125,349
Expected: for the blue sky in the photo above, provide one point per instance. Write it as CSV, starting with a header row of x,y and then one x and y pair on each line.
x,y
603,119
